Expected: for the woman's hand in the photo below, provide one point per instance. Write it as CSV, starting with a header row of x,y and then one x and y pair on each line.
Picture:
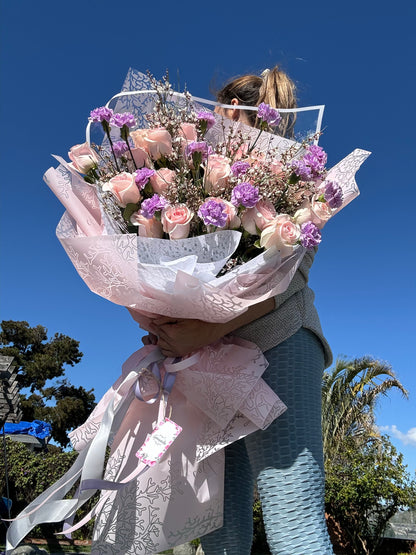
x,y
179,337
150,339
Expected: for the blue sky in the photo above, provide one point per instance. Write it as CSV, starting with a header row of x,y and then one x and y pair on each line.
x,y
59,61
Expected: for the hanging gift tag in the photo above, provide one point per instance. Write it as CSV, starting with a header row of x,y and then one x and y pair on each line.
x,y
158,442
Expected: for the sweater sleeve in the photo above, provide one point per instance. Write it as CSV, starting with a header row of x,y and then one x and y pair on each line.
x,y
294,309
299,280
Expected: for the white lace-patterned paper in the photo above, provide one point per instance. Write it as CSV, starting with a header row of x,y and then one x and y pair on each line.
x,y
173,278
217,401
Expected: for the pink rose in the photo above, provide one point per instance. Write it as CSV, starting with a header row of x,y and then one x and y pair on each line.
x,y
314,211
233,221
176,221
162,179
189,135
259,159
256,159
147,227
140,156
304,214
282,233
322,210
276,167
189,131
257,218
239,151
83,157
156,142
124,187
217,172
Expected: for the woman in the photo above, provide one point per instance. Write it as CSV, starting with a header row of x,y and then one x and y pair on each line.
x,y
286,460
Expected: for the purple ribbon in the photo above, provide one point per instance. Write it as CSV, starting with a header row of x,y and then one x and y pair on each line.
x,y
164,389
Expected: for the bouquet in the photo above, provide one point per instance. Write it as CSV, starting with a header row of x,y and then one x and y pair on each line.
x,y
181,212
170,182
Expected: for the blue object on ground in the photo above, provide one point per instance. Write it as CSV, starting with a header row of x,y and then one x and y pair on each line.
x,y
5,506
37,428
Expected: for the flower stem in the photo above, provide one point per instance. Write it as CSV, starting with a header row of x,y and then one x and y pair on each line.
x,y
255,142
112,150
106,127
131,154
281,197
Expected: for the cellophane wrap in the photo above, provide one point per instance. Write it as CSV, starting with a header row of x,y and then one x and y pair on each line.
x,y
217,398
178,278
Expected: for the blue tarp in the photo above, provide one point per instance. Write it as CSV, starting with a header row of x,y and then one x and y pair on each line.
x,y
5,505
37,428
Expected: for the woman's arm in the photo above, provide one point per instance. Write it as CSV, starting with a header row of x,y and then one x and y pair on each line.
x,y
179,337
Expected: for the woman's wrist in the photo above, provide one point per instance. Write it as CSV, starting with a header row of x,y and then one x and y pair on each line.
x,y
183,336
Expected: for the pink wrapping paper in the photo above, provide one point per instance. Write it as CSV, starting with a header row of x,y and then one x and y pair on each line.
x,y
216,401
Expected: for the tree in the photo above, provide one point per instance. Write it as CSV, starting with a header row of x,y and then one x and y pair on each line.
x,y
365,486
366,480
349,395
30,474
40,359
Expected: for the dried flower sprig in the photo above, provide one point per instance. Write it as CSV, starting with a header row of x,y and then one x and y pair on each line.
x,y
169,180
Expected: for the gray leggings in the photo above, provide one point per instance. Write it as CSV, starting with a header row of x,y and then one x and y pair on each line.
x,y
286,460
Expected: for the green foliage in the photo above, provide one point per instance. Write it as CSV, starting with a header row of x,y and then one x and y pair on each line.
x,y
129,211
366,480
259,535
72,407
349,394
39,359
366,484
30,474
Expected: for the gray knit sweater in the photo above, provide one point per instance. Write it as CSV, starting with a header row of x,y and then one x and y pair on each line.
x,y
294,309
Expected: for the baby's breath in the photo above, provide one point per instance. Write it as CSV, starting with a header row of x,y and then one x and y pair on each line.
x,y
286,180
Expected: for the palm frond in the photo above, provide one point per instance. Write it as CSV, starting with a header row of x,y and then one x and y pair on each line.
x,y
349,395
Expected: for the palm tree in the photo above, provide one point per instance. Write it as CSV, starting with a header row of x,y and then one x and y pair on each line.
x,y
349,394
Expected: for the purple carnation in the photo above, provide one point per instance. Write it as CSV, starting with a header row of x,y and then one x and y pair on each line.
x,y
311,165
245,194
120,120
301,169
142,177
119,148
310,235
152,205
201,147
101,114
268,114
239,168
318,153
316,159
207,117
333,194
213,213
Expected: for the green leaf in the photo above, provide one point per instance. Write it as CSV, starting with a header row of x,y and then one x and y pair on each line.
x,y
124,133
148,190
129,210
